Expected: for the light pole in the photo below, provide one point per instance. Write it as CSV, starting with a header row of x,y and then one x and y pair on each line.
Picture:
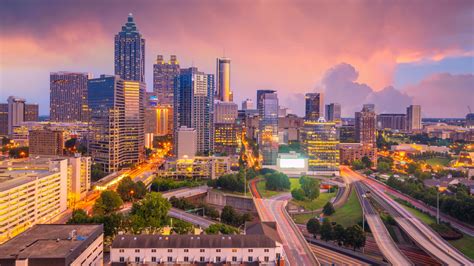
x,y
437,204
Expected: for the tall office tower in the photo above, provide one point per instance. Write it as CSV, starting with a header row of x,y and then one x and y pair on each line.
x,y
186,143
267,105
130,52
314,106
164,76
31,112
320,145
3,119
132,136
107,105
365,126
392,121
193,98
469,120
46,142
68,96
226,132
333,113
16,112
414,117
248,105
223,79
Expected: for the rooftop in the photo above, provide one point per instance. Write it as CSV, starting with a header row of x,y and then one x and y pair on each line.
x,y
50,241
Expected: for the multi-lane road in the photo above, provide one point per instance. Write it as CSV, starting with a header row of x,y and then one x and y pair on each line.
x,y
424,236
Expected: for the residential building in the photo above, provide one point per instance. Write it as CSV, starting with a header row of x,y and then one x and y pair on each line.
x,y
347,134
68,96
320,140
77,130
186,143
223,90
248,104
207,167
31,112
16,112
290,126
314,106
333,113
193,107
226,132
164,77
56,244
260,245
349,152
46,142
79,182
3,119
267,105
31,194
392,121
365,132
129,57
414,117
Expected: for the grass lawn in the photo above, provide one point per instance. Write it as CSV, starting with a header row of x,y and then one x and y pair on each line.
x,y
264,192
317,203
438,161
302,218
350,213
465,244
295,183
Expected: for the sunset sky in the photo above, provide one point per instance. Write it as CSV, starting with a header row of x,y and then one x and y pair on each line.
x,y
391,53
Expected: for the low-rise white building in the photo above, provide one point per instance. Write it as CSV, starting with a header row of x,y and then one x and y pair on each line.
x,y
261,245
210,167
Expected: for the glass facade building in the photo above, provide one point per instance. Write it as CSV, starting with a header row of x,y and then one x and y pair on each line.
x,y
164,76
314,106
267,105
130,52
320,145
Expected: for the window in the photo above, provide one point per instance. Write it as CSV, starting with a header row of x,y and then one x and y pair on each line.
x,y
153,250
218,259
202,259
250,250
234,250
137,251
121,250
122,259
266,250
218,250
186,259
234,258
250,258
278,255
186,250
153,259
266,259
202,250
137,259
170,259
170,250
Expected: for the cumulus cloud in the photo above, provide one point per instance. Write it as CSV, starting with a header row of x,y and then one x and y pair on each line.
x,y
444,94
340,85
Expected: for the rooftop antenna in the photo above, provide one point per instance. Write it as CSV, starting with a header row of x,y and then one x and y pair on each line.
x,y
469,108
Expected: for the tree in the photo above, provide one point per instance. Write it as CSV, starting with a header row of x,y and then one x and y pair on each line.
x,y
310,186
182,227
79,216
126,188
221,228
230,216
328,209
339,234
358,165
313,226
355,237
153,210
383,167
111,222
298,194
326,230
366,161
277,181
108,202
19,152
97,172
140,190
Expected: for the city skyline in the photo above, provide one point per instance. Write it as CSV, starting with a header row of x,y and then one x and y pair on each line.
x,y
429,71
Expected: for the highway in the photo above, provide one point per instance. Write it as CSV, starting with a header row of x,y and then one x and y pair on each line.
x,y
190,218
296,248
185,192
329,257
424,236
381,235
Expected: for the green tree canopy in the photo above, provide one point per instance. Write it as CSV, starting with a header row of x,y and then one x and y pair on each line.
x,y
313,226
277,181
152,211
328,209
326,230
108,202
310,186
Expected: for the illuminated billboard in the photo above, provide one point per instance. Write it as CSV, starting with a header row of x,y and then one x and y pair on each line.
x,y
286,163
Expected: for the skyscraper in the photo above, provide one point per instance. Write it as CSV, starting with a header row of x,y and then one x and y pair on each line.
x,y
392,121
164,75
314,106
31,112
365,126
333,113
413,117
226,132
320,145
193,101
130,52
68,96
223,79
267,105
16,112
133,134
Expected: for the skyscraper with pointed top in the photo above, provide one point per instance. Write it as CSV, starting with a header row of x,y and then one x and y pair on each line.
x,y
130,52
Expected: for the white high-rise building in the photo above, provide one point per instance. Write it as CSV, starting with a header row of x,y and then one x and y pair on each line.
x,y
187,143
16,112
248,105
413,117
